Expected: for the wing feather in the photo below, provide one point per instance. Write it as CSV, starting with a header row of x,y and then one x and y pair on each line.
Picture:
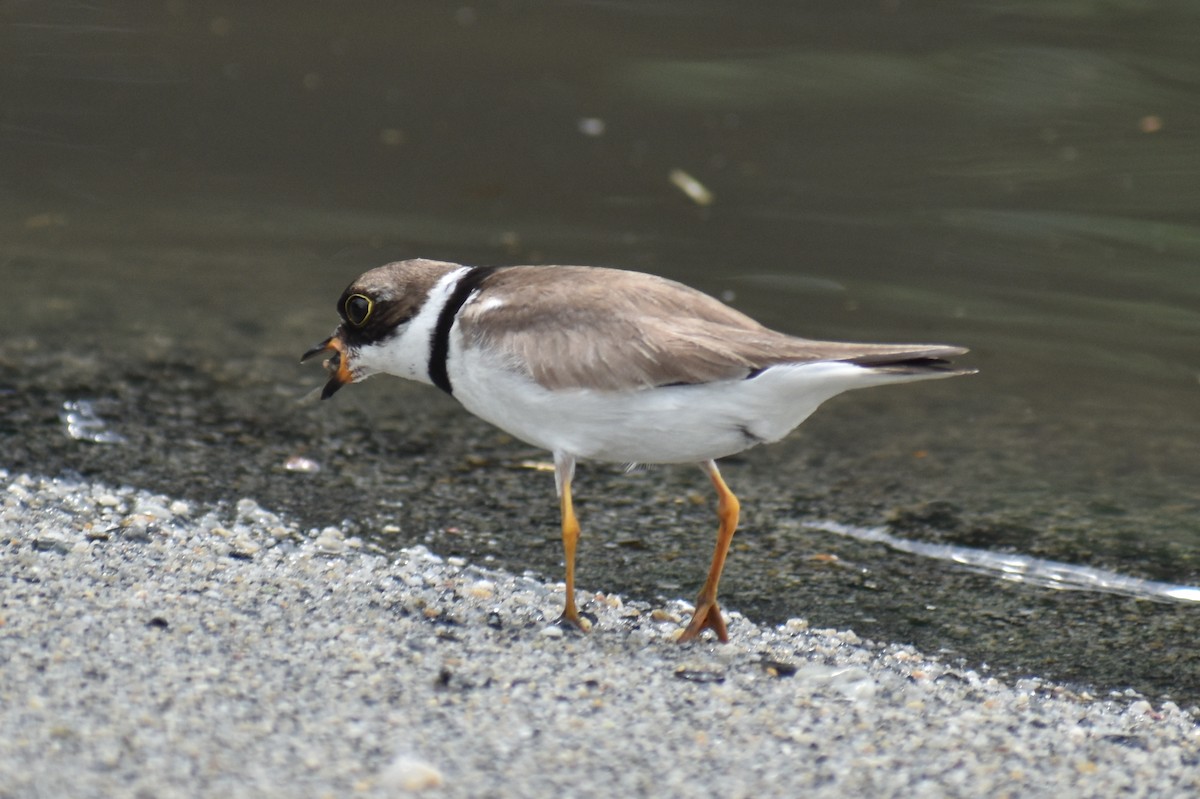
x,y
607,329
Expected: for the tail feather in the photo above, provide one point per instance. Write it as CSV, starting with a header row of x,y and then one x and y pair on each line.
x,y
917,361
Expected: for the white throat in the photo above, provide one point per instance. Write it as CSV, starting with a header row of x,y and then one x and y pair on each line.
x,y
406,354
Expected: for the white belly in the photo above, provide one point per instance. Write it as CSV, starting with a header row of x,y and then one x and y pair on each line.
x,y
673,424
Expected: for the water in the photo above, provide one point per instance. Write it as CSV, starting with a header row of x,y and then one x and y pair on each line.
x,y
199,181
1024,569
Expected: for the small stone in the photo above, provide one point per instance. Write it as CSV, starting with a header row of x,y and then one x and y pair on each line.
x,y
51,543
134,529
483,589
331,541
704,674
1141,708
153,510
849,681
243,547
408,773
18,491
303,465
778,668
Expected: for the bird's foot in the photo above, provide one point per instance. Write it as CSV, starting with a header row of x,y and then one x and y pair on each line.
x,y
706,616
574,621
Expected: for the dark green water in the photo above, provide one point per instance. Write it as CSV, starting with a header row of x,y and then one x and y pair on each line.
x,y
188,186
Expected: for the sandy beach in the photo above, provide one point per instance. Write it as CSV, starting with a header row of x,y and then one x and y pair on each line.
x,y
156,647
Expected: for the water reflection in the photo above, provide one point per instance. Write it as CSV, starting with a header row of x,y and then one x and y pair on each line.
x,y
1024,569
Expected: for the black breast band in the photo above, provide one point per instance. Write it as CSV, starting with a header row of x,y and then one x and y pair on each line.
x,y
439,347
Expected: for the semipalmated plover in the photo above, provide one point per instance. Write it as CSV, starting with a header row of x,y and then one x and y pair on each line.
x,y
605,364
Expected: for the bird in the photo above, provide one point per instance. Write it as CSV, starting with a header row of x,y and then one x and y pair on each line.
x,y
603,364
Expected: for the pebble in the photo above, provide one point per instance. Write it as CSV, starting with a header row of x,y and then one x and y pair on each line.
x,y
482,589
163,667
407,773
298,463
243,546
330,541
51,542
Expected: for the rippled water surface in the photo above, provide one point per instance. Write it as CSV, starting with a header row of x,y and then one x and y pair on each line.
x,y
197,180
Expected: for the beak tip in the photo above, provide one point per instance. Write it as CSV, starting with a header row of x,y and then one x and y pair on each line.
x,y
336,364
314,352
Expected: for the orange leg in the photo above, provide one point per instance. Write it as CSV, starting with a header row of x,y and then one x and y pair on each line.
x,y
708,614
564,471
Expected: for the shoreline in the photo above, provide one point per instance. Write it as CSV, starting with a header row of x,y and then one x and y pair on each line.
x,y
174,648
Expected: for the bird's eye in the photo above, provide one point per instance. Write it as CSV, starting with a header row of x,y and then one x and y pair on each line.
x,y
358,309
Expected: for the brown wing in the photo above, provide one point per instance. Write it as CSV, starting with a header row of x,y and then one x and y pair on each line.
x,y
607,329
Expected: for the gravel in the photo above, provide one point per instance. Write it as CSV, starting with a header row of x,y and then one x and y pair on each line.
x,y
155,647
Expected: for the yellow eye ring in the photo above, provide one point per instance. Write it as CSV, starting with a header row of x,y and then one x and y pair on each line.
x,y
357,309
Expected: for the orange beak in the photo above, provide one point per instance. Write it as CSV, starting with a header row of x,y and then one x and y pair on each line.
x,y
336,363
